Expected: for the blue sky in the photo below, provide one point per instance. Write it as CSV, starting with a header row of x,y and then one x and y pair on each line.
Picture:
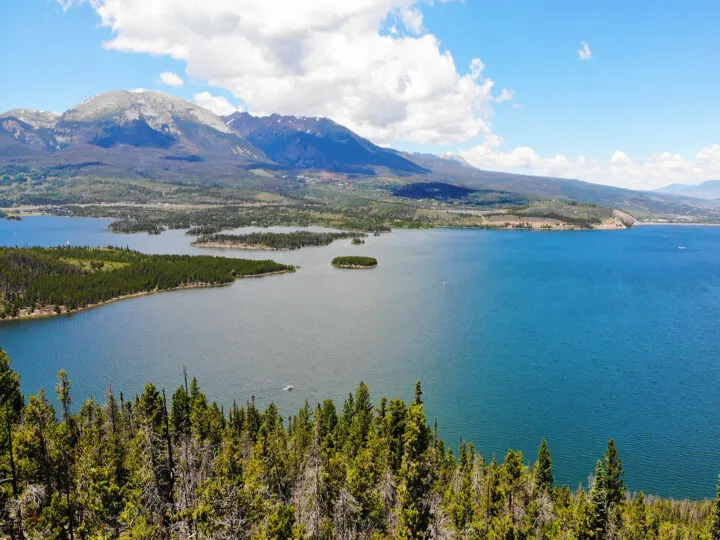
x,y
651,85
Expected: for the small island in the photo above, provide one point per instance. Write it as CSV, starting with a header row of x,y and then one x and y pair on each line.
x,y
354,262
41,282
272,241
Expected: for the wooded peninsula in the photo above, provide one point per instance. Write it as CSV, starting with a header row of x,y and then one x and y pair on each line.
x,y
272,240
180,466
40,281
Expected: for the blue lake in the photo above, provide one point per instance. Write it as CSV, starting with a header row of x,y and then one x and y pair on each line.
x,y
577,337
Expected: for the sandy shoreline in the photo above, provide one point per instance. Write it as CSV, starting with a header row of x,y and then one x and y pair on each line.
x,y
49,311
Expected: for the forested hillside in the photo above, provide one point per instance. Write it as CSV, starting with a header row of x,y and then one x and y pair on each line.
x,y
63,279
179,466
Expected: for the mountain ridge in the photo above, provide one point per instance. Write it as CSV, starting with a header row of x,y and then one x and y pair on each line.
x,y
153,135
708,190
316,143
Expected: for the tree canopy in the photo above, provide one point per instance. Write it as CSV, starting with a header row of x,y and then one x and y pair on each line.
x,y
185,467
63,279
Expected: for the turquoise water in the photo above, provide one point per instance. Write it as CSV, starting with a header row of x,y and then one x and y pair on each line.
x,y
577,337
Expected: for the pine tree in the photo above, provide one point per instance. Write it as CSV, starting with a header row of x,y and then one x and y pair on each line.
x,y
180,413
543,468
67,440
11,400
11,405
613,475
395,422
131,470
512,471
599,502
415,473
418,393
359,419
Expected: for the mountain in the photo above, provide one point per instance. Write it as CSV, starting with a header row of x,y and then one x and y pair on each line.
x,y
455,170
36,119
317,143
155,135
149,120
709,190
152,135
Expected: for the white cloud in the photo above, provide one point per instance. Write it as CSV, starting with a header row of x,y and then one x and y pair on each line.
x,y
505,95
620,170
584,52
318,58
217,104
620,158
413,20
171,79
368,64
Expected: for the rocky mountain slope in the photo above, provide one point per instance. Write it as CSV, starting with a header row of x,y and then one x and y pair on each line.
x,y
317,143
129,119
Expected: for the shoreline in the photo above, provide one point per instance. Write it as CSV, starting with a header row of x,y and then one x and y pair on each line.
x,y
42,210
537,223
674,224
246,247
49,312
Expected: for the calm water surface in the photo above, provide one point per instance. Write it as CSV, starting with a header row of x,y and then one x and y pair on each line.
x,y
575,336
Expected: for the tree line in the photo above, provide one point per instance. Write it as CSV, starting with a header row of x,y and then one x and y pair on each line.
x,y
69,277
180,466
273,240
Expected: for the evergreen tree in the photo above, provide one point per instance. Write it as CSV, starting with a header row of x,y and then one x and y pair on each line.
x,y
512,472
66,439
131,470
180,413
394,429
415,473
359,418
11,405
599,502
543,467
613,475
11,400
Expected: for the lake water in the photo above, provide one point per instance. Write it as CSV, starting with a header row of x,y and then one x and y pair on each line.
x,y
577,337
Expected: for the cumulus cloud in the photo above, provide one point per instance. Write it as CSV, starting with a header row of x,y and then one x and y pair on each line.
x,y
584,52
368,64
171,79
620,169
217,104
